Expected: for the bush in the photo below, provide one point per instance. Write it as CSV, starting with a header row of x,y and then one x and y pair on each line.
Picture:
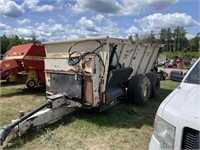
x,y
188,55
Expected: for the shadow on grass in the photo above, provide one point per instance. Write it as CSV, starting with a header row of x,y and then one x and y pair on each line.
x,y
3,83
122,115
39,91
125,115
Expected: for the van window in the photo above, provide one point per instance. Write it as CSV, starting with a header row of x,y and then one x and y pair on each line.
x,y
194,76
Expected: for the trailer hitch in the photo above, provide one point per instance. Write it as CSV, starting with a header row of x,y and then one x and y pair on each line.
x,y
5,131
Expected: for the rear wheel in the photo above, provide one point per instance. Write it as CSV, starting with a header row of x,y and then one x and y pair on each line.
x,y
31,83
139,89
155,83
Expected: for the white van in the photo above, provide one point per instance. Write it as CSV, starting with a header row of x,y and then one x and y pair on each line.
x,y
177,122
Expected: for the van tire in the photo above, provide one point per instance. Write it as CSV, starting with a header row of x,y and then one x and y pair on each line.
x,y
139,89
155,83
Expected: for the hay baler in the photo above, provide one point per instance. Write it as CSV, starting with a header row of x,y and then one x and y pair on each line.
x,y
24,64
92,74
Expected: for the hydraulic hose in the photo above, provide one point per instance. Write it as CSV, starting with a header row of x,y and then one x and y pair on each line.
x,y
5,131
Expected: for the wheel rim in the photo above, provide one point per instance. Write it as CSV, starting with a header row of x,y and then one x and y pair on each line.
x,y
145,90
31,83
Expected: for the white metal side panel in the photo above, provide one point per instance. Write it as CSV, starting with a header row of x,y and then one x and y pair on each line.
x,y
153,59
47,79
96,78
56,49
57,64
105,71
146,59
61,49
127,54
137,59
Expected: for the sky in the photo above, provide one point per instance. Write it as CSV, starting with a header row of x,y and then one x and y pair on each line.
x,y
51,20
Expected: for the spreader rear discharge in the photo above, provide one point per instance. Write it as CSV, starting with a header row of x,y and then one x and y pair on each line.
x,y
95,74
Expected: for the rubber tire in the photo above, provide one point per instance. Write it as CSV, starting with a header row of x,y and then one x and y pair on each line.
x,y
162,78
136,89
31,83
8,79
155,83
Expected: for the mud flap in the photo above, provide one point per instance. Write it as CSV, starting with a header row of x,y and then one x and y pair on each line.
x,y
114,89
116,79
119,76
113,92
111,97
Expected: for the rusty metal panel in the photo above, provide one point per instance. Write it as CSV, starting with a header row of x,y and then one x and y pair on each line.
x,y
88,89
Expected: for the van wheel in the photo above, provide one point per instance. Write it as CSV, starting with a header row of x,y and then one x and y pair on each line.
x,y
139,89
30,83
155,83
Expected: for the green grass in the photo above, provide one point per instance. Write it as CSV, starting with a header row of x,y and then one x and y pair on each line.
x,y
123,126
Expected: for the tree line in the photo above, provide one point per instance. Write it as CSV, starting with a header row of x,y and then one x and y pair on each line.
x,y
8,42
174,40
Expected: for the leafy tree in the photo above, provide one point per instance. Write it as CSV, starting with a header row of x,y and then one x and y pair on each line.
x,y
34,40
180,40
174,40
130,37
8,42
163,33
194,43
169,39
150,38
137,38
4,44
166,38
15,41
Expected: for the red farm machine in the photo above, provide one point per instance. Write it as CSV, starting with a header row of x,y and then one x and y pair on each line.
x,y
24,64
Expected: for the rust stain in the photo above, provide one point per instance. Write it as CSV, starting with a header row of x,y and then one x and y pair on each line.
x,y
88,63
88,89
68,72
58,56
